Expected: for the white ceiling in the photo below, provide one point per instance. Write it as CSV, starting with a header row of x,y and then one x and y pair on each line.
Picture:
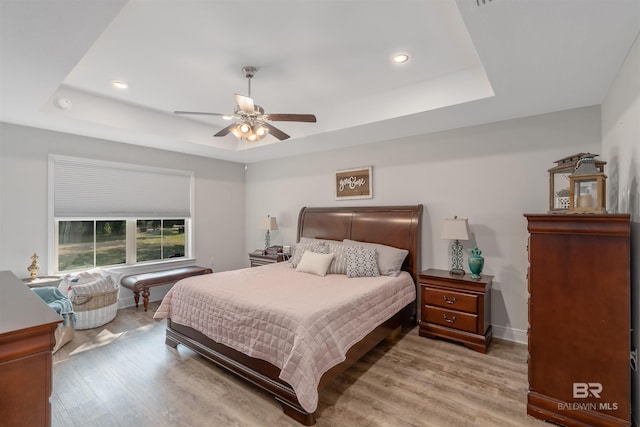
x,y
472,61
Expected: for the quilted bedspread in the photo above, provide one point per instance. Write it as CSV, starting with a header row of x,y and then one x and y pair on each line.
x,y
301,323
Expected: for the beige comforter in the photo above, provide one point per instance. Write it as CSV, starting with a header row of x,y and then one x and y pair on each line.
x,y
301,323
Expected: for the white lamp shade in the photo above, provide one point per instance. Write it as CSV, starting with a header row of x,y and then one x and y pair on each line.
x,y
269,223
455,229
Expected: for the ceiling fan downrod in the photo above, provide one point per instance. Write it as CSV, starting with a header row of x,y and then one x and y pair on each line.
x,y
249,72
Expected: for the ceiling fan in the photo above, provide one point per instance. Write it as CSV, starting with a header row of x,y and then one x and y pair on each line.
x,y
252,123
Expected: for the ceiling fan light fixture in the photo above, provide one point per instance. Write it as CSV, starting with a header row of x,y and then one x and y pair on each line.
x,y
244,129
261,131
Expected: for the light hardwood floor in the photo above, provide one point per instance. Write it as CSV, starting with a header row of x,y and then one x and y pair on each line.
x,y
122,374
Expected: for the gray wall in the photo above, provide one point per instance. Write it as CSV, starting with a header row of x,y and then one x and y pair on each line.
x,y
620,145
219,197
491,174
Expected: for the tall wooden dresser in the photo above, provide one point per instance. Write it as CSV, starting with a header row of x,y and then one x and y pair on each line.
x,y
579,319
27,327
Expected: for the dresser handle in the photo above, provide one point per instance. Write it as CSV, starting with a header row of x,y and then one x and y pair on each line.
x,y
449,301
453,318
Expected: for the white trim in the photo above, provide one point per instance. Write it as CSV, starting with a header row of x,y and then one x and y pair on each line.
x,y
510,334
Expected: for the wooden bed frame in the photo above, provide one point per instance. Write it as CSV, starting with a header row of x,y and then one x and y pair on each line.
x,y
397,226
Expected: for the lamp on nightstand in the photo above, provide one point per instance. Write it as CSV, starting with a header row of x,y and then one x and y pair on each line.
x,y
455,229
269,223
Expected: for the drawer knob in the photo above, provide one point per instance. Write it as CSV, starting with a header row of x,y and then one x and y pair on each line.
x,y
446,319
449,300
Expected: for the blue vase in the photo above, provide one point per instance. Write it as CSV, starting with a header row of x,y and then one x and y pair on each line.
x,y
476,262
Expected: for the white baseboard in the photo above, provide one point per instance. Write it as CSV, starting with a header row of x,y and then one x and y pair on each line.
x,y
510,334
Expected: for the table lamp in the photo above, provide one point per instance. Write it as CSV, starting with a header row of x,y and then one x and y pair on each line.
x,y
455,229
269,223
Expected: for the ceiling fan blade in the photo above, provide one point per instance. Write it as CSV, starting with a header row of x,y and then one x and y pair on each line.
x,y
245,103
307,118
201,113
225,131
275,131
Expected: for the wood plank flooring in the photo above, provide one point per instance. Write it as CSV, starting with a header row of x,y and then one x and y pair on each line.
x,y
122,374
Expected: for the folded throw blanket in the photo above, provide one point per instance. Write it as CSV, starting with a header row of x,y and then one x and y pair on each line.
x,y
58,302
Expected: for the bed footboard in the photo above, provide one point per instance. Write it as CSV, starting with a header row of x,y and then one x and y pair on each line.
x,y
265,375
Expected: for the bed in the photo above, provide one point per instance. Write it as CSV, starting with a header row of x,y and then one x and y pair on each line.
x,y
395,226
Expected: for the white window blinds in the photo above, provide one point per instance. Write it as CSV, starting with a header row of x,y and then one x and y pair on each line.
x,y
85,188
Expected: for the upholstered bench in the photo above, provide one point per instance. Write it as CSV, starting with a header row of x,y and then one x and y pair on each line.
x,y
142,282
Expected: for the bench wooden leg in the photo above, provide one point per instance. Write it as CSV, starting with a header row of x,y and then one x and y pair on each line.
x,y
136,297
145,298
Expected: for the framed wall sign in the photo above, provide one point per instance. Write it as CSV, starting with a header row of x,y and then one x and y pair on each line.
x,y
354,184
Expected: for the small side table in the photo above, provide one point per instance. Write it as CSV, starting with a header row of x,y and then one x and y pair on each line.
x,y
456,307
41,281
259,258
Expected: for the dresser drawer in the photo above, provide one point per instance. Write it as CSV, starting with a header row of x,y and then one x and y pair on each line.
x,y
451,319
450,299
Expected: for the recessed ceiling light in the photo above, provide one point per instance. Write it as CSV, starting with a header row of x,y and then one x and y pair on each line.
x,y
400,58
119,84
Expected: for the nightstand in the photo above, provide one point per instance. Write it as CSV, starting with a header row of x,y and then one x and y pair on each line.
x,y
259,258
456,308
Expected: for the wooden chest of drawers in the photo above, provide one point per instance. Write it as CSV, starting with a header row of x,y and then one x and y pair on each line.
x,y
456,308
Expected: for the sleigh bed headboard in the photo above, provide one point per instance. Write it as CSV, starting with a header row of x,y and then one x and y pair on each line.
x,y
397,226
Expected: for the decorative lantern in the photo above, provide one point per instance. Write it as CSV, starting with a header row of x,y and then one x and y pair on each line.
x,y
559,181
587,187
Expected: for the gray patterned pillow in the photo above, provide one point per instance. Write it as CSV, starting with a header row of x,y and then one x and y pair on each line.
x,y
339,263
317,247
361,262
390,259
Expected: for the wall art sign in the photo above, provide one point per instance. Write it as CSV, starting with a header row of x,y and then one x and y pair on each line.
x,y
354,184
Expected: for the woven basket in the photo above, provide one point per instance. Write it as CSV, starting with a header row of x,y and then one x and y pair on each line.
x,y
95,310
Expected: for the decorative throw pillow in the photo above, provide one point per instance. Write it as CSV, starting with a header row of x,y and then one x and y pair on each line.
x,y
317,247
390,259
314,263
361,262
339,263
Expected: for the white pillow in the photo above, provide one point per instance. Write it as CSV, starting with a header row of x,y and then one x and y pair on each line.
x,y
390,259
314,263
300,249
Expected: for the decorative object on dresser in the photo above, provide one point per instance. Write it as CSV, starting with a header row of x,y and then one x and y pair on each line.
x,y
267,225
27,337
587,187
266,256
34,266
579,319
476,263
455,229
559,181
456,308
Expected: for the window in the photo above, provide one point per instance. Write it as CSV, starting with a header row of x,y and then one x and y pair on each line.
x,y
107,214
159,239
87,244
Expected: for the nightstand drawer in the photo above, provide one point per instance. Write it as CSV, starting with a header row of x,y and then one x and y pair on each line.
x,y
450,300
451,319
